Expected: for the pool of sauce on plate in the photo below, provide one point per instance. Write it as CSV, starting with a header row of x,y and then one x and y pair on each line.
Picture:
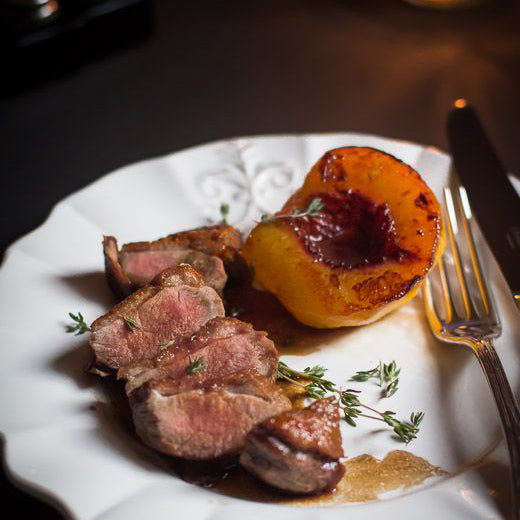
x,y
366,478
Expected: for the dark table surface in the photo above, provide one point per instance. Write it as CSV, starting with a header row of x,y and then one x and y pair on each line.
x,y
210,70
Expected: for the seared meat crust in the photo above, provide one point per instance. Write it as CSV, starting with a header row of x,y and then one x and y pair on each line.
x,y
297,451
117,279
220,240
212,250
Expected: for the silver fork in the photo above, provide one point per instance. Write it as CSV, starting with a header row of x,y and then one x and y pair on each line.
x,y
467,315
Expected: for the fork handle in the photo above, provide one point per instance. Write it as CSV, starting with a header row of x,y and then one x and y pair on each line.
x,y
508,409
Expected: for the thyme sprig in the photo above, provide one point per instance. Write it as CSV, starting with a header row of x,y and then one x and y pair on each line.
x,y
313,209
406,430
78,326
388,375
224,212
196,365
317,386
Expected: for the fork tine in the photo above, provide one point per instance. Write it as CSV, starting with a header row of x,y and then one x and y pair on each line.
x,y
451,221
467,219
447,294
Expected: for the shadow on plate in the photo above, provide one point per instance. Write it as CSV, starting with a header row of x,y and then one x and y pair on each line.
x,y
91,286
114,419
494,475
74,363
115,426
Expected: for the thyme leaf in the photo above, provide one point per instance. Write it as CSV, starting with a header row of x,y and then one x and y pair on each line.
x,y
197,365
391,388
131,323
386,373
224,212
365,375
351,404
166,344
405,430
78,326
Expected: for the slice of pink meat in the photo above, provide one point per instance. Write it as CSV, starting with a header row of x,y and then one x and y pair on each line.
x,y
206,421
225,345
170,311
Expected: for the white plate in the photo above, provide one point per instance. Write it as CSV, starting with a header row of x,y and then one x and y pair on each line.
x,y
58,446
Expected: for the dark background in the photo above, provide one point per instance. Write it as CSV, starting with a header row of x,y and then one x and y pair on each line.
x,y
166,75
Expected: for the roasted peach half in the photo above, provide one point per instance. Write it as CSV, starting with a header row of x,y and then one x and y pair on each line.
x,y
353,243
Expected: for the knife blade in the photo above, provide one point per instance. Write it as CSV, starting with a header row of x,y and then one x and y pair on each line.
x,y
494,201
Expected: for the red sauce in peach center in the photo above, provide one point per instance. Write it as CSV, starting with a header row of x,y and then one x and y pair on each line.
x,y
350,231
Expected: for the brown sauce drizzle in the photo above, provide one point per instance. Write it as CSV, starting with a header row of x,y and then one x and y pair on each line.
x,y
366,478
350,231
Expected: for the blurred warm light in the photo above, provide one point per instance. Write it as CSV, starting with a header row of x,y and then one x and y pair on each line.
x,y
460,103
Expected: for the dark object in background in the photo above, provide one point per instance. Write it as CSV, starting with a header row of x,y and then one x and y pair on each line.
x,y
40,39
493,197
